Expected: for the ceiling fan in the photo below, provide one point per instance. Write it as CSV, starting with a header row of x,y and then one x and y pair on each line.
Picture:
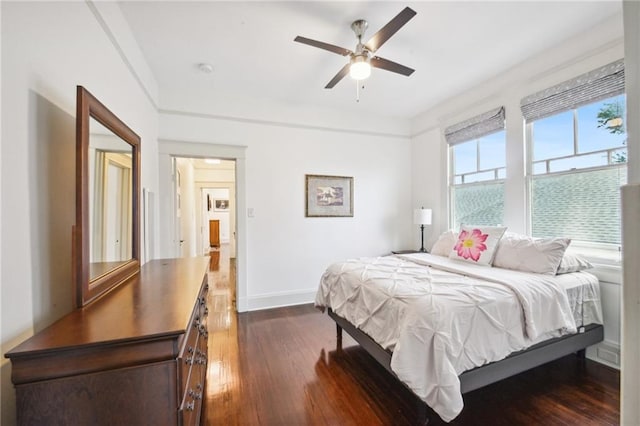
x,y
362,59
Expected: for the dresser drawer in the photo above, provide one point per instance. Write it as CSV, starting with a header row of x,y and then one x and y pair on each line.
x,y
191,404
192,358
187,360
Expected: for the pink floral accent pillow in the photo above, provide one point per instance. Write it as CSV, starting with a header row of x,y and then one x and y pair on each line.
x,y
477,244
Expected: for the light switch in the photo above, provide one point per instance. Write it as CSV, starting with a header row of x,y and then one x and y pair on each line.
x,y
250,212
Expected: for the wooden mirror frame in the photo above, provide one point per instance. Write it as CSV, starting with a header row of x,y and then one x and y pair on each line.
x,y
88,290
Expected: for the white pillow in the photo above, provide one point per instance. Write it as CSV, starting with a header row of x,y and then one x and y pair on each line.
x,y
445,243
527,254
572,263
477,244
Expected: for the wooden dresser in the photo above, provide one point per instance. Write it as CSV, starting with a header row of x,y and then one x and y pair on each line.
x,y
136,356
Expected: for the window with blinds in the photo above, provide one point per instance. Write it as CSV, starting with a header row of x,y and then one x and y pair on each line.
x,y
576,139
477,149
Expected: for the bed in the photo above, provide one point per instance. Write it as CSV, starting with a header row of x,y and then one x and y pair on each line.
x,y
445,327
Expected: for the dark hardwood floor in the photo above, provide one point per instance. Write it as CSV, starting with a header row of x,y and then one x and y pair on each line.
x,y
281,367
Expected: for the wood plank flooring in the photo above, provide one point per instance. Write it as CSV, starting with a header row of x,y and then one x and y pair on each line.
x,y
281,367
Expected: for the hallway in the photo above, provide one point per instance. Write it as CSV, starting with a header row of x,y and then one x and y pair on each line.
x,y
223,371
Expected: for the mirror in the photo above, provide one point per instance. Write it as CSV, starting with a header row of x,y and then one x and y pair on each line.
x,y
110,209
106,235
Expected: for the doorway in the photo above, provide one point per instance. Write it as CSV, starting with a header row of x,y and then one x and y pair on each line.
x,y
168,225
204,206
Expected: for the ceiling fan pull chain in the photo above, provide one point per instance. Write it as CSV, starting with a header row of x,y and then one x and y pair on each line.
x,y
358,90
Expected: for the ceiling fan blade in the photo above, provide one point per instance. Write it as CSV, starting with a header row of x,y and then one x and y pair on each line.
x,y
344,71
390,29
326,46
385,64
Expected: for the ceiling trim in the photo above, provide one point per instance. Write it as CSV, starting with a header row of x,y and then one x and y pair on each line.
x,y
281,124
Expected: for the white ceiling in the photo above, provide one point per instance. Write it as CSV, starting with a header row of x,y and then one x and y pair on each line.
x,y
453,46
200,163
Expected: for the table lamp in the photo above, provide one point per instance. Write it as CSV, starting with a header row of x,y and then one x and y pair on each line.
x,y
422,217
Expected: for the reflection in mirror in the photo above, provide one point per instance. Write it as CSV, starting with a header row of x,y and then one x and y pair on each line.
x,y
110,208
107,230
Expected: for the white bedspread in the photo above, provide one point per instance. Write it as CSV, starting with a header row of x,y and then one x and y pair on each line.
x,y
443,320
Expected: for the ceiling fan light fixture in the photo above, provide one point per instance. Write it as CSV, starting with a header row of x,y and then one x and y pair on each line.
x,y
360,68
361,60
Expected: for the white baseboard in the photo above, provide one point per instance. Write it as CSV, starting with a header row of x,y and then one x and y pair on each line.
x,y
606,352
276,300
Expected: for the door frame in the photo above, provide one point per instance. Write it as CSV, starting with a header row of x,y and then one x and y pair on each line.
x,y
171,148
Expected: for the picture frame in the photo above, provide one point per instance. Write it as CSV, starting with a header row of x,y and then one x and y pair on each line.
x,y
328,196
221,205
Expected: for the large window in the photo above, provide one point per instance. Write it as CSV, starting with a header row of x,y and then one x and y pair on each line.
x,y
577,160
477,170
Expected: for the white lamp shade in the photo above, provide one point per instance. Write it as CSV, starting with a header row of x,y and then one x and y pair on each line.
x,y
360,70
422,217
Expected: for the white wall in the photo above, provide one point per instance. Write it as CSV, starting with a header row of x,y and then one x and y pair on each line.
x,y
427,155
48,49
226,175
287,252
601,45
188,223
630,380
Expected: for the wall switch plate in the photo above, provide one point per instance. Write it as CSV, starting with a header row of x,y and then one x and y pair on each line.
x,y
250,212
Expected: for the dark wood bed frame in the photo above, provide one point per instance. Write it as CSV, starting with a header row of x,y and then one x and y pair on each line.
x,y
515,363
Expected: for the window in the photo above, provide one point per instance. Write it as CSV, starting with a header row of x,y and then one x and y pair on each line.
x,y
577,161
579,139
477,170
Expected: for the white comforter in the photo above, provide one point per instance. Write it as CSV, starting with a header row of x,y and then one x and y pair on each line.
x,y
440,323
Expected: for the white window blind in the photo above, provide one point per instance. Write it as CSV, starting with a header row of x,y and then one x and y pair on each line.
x,y
604,82
475,127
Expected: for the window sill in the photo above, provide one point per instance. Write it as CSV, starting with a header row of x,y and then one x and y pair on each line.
x,y
607,273
607,263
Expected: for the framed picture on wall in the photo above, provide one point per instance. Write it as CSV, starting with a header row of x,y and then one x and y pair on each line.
x,y
221,205
328,196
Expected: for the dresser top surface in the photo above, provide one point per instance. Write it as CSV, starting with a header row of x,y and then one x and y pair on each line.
x,y
155,303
